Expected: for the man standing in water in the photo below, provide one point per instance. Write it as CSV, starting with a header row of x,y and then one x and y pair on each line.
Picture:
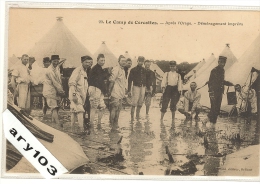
x,y
137,76
151,85
20,83
171,89
78,88
116,91
216,88
52,88
46,64
97,89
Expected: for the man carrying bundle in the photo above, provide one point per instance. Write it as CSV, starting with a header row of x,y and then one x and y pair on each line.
x,y
216,88
20,82
246,100
191,102
78,88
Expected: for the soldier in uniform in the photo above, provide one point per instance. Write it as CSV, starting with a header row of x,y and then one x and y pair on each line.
x,y
216,88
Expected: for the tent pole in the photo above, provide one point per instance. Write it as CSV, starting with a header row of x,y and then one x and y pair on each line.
x,y
249,87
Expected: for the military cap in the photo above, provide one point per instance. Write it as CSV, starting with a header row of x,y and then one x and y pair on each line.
x,y
84,58
140,58
222,58
53,57
172,63
46,59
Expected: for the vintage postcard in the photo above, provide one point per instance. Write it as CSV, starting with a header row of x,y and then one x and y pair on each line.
x,y
131,93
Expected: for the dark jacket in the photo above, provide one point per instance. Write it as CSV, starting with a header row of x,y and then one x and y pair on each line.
x,y
151,79
137,76
217,80
97,76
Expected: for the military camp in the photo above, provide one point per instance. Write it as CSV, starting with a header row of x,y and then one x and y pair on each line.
x,y
136,99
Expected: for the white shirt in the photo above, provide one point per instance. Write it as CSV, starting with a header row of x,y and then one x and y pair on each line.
x,y
172,79
22,73
118,76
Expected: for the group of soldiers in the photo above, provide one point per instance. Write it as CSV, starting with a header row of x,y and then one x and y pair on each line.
x,y
87,88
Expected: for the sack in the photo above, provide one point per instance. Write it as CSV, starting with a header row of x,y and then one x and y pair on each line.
x,y
231,97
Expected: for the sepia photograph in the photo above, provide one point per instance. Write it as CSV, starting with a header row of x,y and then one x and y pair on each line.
x,y
134,92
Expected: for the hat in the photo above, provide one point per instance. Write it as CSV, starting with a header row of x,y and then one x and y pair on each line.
x,y
32,58
53,57
172,63
140,58
223,58
86,57
46,59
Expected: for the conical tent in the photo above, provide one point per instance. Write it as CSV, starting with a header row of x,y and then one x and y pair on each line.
x,y
127,55
13,61
110,58
59,40
208,62
239,73
204,77
196,68
157,69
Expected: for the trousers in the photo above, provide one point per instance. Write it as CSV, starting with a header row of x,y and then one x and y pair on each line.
x,y
215,106
171,94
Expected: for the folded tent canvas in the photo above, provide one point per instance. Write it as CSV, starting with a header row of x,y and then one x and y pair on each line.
x,y
61,41
110,58
71,157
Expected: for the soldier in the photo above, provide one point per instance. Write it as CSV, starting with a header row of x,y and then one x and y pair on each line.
x,y
191,102
78,87
52,88
216,88
20,81
116,91
151,85
137,76
171,89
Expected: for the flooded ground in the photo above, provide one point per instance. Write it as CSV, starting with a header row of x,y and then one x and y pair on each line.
x,y
194,147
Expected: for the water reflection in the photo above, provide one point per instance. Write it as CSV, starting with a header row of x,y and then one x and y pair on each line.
x,y
144,141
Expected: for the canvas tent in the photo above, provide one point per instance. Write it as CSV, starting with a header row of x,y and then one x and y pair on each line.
x,y
110,58
204,77
12,62
196,68
67,151
239,73
59,40
208,62
157,69
127,55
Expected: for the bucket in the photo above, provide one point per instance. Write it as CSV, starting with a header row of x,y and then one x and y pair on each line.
x,y
231,97
36,91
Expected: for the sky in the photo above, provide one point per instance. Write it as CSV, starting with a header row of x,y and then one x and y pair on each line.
x,y
177,42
